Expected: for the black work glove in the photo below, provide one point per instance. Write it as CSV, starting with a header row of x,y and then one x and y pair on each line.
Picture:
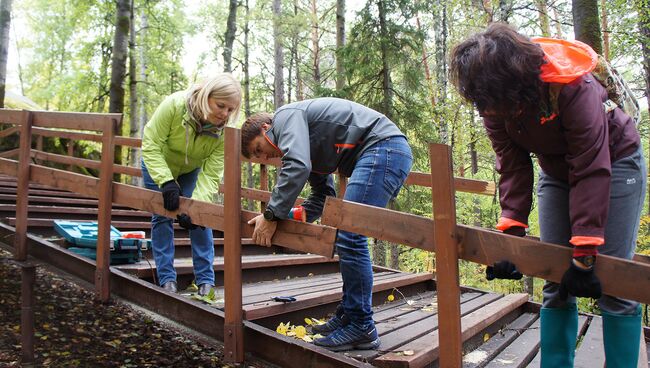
x,y
171,193
515,230
503,270
186,222
580,282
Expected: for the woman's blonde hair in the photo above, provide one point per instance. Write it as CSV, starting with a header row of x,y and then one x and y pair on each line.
x,y
221,86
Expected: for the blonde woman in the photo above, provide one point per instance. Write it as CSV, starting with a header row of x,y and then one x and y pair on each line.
x,y
183,154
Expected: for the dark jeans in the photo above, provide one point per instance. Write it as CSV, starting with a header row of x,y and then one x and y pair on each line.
x,y
377,178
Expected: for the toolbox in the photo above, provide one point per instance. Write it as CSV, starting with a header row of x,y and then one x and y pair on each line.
x,y
83,237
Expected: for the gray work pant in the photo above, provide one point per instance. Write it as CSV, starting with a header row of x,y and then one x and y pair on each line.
x,y
627,192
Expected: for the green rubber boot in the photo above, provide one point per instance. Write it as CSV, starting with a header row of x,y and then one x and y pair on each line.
x,y
559,327
622,335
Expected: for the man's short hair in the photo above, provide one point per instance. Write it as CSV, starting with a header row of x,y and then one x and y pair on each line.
x,y
252,128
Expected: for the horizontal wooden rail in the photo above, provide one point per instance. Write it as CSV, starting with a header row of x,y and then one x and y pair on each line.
x,y
309,238
460,184
83,162
72,120
258,195
619,277
9,116
9,131
80,136
10,153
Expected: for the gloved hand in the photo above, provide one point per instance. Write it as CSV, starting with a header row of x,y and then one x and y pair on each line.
x,y
171,193
515,230
580,282
186,222
503,270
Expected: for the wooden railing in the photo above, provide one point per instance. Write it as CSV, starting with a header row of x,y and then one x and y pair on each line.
x,y
440,234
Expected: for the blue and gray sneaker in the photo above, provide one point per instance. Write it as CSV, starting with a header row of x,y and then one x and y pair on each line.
x,y
337,321
351,337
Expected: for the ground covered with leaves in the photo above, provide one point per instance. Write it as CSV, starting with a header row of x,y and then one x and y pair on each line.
x,y
73,330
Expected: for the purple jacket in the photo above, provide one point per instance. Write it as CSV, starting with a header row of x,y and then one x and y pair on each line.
x,y
577,147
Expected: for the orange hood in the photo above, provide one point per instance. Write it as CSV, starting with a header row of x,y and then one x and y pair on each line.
x,y
565,60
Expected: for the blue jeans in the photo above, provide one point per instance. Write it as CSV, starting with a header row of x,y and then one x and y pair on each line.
x,y
162,237
377,178
627,190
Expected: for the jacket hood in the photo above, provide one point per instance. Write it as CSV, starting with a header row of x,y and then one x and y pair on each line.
x,y
565,60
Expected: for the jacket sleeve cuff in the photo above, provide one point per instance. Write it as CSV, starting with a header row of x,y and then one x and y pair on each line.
x,y
580,241
506,223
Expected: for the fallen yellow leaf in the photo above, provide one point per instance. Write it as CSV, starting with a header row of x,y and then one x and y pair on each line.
x,y
486,337
300,331
408,352
391,297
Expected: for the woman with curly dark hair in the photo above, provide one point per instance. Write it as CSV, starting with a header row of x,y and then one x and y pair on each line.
x,y
538,96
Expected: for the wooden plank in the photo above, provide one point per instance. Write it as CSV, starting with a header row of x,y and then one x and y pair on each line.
x,y
7,132
74,210
591,352
122,225
23,173
485,353
43,192
82,162
417,323
447,276
79,136
271,308
258,195
9,116
10,153
582,326
618,277
427,348
73,120
105,202
233,320
521,351
264,184
380,223
41,199
460,184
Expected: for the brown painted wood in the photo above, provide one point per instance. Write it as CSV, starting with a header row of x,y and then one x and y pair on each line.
x,y
78,136
44,192
264,184
272,162
41,199
105,194
427,348
73,120
444,236
10,153
499,341
7,132
28,279
82,162
23,173
343,184
460,184
233,333
380,223
73,210
9,116
521,351
270,308
70,150
304,237
258,195
122,225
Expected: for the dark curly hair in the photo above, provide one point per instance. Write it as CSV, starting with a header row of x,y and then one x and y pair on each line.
x,y
252,128
499,71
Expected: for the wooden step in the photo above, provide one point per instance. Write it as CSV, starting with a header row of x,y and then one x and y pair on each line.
x,y
425,349
184,265
315,291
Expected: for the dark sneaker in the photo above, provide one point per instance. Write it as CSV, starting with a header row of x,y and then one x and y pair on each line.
x,y
350,337
170,286
204,289
331,325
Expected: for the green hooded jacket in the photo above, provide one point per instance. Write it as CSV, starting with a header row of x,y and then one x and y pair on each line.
x,y
171,147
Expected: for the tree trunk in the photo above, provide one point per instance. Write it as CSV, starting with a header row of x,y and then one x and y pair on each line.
x,y
5,23
118,66
134,129
379,253
544,23
300,85
340,42
247,99
586,23
605,28
315,49
278,79
425,63
387,100
229,37
558,25
644,31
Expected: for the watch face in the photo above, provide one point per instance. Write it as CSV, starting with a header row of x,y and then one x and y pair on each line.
x,y
268,215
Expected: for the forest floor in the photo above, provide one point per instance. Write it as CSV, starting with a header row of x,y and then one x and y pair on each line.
x,y
74,330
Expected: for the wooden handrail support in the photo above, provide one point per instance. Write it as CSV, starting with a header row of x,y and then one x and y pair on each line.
x,y
233,319
304,237
105,205
83,162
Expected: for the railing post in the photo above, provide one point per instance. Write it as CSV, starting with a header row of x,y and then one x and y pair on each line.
x,y
105,204
22,186
264,183
343,183
444,224
233,325
28,275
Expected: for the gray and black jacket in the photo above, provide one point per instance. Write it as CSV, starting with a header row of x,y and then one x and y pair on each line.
x,y
316,138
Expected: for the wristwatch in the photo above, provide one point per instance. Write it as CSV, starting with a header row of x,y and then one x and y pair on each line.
x,y
587,261
269,215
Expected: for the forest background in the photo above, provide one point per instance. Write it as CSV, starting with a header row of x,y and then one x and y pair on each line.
x,y
391,55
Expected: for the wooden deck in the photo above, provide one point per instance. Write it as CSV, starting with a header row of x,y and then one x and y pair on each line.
x,y
497,330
